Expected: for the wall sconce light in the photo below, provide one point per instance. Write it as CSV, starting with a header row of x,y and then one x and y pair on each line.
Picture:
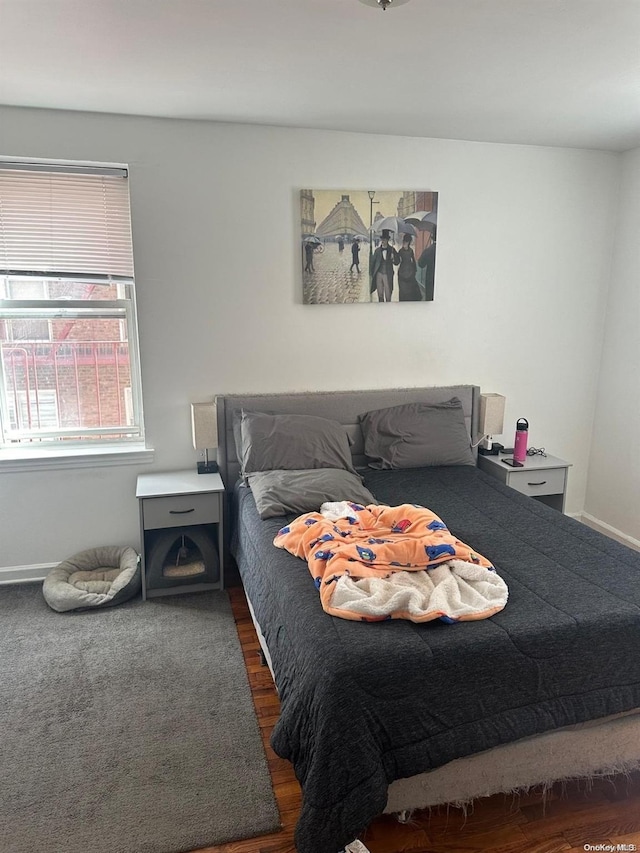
x,y
490,422
204,430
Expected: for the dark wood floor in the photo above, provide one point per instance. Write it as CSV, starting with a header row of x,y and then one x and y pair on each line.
x,y
566,820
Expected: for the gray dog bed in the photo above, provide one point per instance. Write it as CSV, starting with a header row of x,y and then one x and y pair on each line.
x,y
99,577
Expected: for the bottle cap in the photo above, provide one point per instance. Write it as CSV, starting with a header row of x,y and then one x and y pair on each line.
x,y
522,424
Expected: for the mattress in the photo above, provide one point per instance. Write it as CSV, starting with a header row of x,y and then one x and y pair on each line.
x,y
364,704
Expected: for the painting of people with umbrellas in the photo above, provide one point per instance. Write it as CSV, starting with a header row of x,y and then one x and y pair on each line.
x,y
368,245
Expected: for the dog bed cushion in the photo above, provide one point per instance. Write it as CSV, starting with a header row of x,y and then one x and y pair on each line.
x,y
99,577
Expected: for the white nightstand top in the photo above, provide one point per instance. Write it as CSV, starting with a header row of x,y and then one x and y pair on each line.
x,y
169,483
531,463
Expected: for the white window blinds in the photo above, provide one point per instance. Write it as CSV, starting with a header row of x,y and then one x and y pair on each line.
x,y
72,223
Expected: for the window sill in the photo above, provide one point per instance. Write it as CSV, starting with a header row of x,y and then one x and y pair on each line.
x,y
77,457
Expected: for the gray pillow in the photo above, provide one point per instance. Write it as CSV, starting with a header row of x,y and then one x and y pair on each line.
x,y
283,492
417,435
292,443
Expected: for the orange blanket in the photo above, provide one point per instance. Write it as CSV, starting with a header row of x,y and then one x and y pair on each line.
x,y
403,557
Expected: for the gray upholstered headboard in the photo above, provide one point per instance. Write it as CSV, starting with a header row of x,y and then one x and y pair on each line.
x,y
341,406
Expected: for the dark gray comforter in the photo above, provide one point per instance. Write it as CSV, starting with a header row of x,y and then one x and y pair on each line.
x,y
366,703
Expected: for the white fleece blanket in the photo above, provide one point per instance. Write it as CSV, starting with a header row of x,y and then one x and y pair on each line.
x,y
455,588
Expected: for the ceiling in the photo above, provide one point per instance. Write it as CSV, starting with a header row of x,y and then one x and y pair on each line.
x,y
542,72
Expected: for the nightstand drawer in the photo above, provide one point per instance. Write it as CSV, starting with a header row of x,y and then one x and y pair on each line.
x,y
541,482
180,510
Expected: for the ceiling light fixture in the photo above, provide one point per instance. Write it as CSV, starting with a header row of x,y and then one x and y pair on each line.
x,y
384,4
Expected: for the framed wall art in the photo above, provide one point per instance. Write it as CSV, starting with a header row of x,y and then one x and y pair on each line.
x,y
368,245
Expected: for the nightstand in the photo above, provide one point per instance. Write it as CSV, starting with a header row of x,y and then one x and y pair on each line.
x,y
541,477
181,532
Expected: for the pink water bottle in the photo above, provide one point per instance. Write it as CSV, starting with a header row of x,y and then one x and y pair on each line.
x,y
520,442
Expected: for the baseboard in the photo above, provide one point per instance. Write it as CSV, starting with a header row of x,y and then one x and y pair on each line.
x,y
608,530
24,574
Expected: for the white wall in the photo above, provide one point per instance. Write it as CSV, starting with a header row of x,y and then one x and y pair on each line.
x,y
613,493
524,245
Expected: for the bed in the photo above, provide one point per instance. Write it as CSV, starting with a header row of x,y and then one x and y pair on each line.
x,y
393,716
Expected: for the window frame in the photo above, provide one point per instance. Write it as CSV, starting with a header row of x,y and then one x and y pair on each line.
x,y
50,447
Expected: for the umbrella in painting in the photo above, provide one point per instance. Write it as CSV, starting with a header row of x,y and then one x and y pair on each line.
x,y
314,240
423,220
393,223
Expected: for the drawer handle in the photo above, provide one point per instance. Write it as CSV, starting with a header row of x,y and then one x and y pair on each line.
x,y
541,483
185,511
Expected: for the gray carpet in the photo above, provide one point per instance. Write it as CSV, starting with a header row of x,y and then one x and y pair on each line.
x,y
126,730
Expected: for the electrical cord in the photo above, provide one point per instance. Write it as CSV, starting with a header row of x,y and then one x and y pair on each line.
x,y
482,438
536,451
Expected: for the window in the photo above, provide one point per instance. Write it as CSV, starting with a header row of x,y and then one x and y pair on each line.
x,y
69,363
